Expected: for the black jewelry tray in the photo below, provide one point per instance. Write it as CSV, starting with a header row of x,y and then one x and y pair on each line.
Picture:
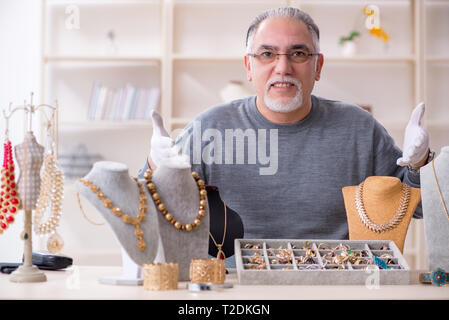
x,y
42,260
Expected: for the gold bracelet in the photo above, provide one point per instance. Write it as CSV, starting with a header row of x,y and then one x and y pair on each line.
x,y
160,276
207,270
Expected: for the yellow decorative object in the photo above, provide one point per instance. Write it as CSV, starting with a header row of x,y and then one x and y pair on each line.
x,y
380,33
372,22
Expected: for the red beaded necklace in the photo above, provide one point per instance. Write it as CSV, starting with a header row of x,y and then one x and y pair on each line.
x,y
9,200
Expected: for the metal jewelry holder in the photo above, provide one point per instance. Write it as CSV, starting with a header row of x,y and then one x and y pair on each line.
x,y
28,272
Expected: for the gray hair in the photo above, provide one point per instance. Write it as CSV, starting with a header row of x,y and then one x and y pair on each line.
x,y
287,12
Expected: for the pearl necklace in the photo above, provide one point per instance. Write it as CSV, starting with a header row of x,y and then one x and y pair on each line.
x,y
400,212
138,232
163,209
50,194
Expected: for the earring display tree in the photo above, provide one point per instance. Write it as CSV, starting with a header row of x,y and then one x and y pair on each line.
x,y
28,272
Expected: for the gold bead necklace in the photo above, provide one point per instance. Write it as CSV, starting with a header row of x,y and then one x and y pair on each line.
x,y
169,216
138,232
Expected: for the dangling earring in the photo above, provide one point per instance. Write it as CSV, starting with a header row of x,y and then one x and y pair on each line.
x,y
9,199
51,194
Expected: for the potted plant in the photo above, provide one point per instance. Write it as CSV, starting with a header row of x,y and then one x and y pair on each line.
x,y
349,47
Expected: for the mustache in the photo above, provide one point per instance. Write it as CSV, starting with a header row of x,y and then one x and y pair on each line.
x,y
273,80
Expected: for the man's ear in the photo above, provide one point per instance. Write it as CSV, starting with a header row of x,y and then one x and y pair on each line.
x,y
319,66
248,68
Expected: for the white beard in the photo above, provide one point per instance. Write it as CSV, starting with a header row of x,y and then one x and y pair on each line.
x,y
284,107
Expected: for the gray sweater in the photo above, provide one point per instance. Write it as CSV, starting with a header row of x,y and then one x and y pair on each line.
x,y
285,181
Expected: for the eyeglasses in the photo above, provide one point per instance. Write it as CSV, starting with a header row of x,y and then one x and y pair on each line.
x,y
297,56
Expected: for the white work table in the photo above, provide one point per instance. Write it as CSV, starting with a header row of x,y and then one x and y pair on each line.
x,y
81,282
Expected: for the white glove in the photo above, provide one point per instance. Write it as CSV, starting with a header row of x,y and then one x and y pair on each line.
x,y
162,146
416,139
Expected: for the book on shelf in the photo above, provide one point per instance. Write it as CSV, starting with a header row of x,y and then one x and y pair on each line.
x,y
125,103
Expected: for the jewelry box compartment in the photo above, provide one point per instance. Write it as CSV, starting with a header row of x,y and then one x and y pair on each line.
x,y
320,262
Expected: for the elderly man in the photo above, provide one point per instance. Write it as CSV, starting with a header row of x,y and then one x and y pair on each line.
x,y
281,158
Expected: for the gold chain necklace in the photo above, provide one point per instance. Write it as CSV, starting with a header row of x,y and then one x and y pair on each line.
x,y
400,212
439,191
85,215
138,232
220,254
163,209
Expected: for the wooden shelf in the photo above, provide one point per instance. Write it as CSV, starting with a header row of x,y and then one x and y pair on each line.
x,y
188,57
437,124
181,121
135,59
86,125
369,59
331,58
226,2
349,2
437,59
101,2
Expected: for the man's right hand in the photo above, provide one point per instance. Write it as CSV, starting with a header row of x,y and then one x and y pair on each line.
x,y
162,146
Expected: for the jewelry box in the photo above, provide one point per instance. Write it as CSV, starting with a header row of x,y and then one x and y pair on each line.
x,y
320,262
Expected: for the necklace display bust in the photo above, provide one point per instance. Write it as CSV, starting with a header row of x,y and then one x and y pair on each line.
x,y
179,192
114,181
164,243
223,233
381,198
436,222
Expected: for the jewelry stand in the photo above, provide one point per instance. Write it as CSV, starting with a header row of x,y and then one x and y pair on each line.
x,y
221,232
131,273
435,202
27,272
164,243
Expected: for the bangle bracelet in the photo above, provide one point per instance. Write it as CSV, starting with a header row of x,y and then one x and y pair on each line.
x,y
207,270
437,277
160,276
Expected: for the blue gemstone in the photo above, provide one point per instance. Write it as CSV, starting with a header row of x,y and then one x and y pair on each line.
x,y
438,277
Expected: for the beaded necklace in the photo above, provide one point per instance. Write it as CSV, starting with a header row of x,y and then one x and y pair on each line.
x,y
9,200
50,195
169,216
138,232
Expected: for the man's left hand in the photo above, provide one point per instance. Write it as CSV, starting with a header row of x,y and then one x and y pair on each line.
x,y
416,141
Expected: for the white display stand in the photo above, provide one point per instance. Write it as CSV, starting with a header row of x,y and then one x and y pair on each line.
x,y
131,273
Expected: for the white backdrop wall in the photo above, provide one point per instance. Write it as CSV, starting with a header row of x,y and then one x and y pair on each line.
x,y
19,76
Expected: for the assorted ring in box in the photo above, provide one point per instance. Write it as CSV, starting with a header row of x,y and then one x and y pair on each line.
x,y
320,262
